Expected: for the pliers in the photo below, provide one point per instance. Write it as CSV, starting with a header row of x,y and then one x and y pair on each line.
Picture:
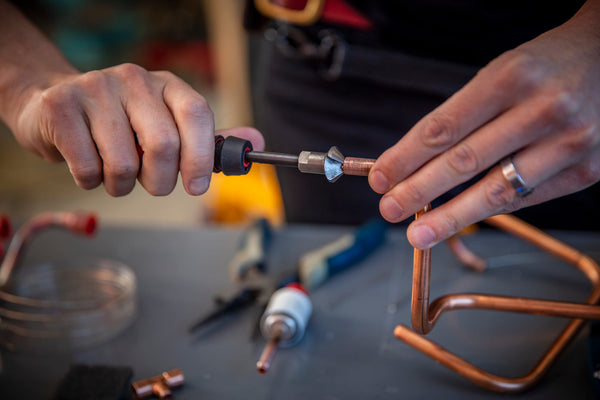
x,y
248,268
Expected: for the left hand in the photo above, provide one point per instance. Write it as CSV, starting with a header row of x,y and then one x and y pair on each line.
x,y
540,101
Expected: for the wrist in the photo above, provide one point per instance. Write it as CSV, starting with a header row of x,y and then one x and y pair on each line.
x,y
30,63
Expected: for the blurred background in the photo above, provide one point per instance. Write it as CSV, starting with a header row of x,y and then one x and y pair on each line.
x,y
203,42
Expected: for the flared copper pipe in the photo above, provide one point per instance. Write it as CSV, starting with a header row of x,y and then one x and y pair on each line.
x,y
84,224
425,315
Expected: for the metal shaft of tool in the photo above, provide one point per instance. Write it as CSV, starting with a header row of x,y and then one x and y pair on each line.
x,y
279,159
350,166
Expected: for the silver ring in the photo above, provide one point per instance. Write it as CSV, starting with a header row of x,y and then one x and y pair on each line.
x,y
512,176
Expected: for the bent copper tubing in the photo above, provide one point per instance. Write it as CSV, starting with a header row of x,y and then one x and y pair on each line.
x,y
465,255
425,315
75,222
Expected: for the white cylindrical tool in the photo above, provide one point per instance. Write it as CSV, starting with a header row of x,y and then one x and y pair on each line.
x,y
286,315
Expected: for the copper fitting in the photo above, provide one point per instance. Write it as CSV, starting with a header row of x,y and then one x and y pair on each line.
x,y
425,315
159,386
357,166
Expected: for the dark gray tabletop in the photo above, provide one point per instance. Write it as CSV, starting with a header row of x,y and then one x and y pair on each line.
x,y
349,351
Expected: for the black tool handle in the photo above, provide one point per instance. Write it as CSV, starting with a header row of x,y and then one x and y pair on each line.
x,y
230,155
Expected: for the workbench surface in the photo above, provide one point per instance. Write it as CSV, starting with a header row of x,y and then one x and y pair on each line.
x,y
349,351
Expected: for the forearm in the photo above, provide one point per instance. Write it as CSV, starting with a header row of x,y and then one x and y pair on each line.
x,y
28,62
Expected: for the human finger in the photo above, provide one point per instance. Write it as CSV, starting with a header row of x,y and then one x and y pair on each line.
x,y
195,122
67,134
155,130
111,132
492,91
516,128
494,194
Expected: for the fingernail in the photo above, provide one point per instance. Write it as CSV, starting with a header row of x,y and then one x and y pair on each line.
x,y
379,182
422,236
390,209
199,185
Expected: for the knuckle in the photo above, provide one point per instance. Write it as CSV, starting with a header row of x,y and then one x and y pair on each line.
x,y
438,131
521,69
196,108
413,191
87,176
463,160
94,81
450,225
199,166
122,170
133,75
587,174
562,108
130,70
498,194
56,100
580,141
164,146
165,75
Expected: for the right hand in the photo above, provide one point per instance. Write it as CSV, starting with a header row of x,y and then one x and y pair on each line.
x,y
91,120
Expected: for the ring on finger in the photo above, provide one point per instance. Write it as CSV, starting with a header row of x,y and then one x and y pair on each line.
x,y
514,178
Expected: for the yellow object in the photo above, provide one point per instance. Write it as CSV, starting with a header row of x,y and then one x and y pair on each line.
x,y
469,230
307,16
239,199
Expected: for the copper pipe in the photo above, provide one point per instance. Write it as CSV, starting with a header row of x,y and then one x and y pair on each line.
x,y
465,255
266,358
424,315
357,166
77,223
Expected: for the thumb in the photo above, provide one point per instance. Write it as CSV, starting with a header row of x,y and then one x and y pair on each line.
x,y
245,132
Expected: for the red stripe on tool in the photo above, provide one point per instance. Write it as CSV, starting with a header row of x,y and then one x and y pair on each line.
x,y
297,286
340,12
246,162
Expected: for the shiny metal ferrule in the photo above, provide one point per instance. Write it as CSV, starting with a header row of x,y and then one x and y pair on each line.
x,y
328,164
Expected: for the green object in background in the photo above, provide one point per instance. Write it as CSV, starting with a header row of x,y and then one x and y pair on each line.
x,y
94,34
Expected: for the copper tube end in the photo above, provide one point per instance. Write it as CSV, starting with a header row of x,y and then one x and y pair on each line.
x,y
264,363
357,166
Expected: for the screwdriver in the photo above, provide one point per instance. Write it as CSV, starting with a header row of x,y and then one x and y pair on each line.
x,y
234,156
319,265
284,321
